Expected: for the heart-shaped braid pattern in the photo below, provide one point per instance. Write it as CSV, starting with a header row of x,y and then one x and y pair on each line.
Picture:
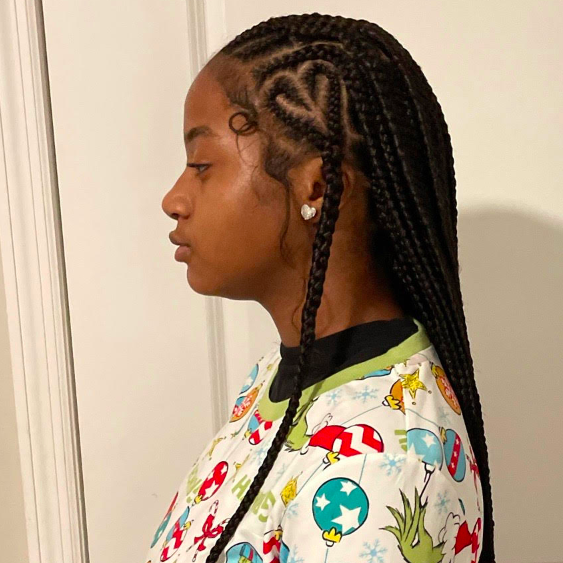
x,y
347,90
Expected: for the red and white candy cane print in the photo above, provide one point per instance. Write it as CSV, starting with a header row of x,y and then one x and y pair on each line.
x,y
272,544
208,531
257,428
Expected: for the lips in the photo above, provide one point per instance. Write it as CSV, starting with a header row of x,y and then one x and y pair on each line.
x,y
177,241
182,253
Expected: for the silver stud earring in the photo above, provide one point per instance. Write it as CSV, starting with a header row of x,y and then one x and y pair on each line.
x,y
308,212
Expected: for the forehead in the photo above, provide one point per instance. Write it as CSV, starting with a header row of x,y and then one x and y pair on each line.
x,y
206,104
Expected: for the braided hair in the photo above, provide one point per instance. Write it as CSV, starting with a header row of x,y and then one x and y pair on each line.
x,y
347,90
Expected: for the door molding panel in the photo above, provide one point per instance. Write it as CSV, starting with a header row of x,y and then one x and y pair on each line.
x,y
34,274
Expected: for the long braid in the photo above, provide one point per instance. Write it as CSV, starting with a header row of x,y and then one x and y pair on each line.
x,y
465,383
380,113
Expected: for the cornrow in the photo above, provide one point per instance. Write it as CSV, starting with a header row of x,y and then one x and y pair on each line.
x,y
376,110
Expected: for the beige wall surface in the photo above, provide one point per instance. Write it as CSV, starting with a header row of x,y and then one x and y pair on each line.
x,y
13,538
119,74
495,68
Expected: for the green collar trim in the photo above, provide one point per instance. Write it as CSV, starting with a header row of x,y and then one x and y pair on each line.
x,y
413,344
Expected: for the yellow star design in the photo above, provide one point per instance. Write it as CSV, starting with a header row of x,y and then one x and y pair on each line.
x,y
412,383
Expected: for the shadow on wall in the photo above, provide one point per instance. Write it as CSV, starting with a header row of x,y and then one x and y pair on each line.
x,y
512,279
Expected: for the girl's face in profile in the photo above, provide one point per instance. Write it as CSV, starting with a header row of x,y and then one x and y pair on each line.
x,y
227,209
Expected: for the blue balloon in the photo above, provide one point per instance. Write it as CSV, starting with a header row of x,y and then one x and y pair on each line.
x,y
284,552
181,521
426,445
250,380
340,506
377,373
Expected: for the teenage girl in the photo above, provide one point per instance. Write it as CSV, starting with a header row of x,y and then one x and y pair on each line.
x,y
359,436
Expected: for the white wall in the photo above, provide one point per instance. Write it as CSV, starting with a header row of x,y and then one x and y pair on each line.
x,y
495,68
119,73
13,538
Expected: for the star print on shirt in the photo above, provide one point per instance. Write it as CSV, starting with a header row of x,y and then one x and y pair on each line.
x,y
347,487
412,382
322,501
348,519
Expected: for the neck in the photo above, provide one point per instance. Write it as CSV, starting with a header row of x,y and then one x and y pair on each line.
x,y
351,296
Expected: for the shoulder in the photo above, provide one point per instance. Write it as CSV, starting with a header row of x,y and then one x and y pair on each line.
x,y
367,412
396,457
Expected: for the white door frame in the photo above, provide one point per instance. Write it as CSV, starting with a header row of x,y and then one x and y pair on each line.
x,y
35,280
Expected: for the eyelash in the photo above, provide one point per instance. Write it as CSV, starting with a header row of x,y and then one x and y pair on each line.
x,y
197,165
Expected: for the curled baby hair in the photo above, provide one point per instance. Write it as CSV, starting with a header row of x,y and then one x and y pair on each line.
x,y
347,90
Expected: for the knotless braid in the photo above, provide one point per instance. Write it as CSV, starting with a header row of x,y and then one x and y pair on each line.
x,y
377,110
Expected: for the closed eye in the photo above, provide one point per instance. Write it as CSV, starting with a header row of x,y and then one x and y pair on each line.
x,y
197,165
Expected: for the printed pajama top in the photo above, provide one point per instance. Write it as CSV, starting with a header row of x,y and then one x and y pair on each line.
x,y
378,468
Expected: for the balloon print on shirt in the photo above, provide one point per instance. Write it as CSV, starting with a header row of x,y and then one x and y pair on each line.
x,y
243,553
378,373
176,535
244,403
432,451
454,454
165,521
342,441
427,447
284,553
250,379
257,428
212,483
340,506
445,387
394,399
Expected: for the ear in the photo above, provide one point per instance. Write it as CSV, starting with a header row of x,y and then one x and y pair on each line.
x,y
310,186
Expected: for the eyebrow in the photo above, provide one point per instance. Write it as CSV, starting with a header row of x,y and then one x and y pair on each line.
x,y
197,132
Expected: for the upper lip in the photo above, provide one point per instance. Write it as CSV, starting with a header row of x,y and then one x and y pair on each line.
x,y
177,241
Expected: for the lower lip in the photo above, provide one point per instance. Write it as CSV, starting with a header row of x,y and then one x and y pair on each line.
x,y
182,253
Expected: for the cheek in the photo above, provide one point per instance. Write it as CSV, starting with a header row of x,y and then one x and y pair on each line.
x,y
236,257
248,237
239,235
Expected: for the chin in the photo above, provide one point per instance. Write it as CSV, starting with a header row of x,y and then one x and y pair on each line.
x,y
214,286
202,285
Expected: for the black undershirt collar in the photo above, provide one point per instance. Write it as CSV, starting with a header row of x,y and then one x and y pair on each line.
x,y
338,351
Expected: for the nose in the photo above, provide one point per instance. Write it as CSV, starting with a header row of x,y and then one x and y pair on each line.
x,y
176,202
